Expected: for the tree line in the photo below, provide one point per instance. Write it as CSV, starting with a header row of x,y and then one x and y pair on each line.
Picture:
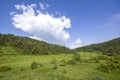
x,y
32,46
111,47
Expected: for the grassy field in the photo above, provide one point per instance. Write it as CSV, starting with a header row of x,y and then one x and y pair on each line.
x,y
21,67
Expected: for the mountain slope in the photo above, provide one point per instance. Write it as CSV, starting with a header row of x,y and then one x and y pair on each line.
x,y
31,46
111,47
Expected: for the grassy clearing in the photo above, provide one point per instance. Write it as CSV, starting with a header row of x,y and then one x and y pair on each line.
x,y
21,67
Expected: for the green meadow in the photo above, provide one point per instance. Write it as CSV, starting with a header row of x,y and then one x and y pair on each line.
x,y
53,67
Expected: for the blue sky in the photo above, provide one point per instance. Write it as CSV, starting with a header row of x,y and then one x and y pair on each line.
x,y
83,22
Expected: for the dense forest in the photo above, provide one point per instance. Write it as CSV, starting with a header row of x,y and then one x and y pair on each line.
x,y
31,46
111,47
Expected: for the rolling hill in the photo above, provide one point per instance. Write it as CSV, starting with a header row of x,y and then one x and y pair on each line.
x,y
31,46
111,47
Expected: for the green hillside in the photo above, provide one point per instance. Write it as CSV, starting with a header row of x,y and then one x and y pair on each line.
x,y
31,46
14,65
111,47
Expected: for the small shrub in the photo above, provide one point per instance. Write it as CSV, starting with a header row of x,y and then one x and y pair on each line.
x,y
64,71
96,61
1,55
76,57
103,57
34,65
104,67
86,61
63,62
55,67
5,68
2,76
54,64
72,62
22,69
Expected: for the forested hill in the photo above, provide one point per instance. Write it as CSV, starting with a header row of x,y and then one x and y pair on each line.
x,y
31,46
111,47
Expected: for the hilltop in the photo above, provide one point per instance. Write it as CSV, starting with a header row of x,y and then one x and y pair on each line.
x,y
111,47
31,46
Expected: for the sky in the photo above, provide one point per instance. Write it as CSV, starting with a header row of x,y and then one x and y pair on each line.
x,y
71,23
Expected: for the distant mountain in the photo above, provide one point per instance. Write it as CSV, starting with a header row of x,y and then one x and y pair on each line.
x,y
111,47
31,46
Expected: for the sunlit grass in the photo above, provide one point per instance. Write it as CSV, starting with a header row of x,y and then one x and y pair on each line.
x,y
21,69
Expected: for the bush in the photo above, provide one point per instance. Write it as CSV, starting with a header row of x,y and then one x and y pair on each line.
x,y
110,66
5,68
76,57
96,61
64,71
72,62
34,65
55,67
103,57
22,69
63,62
54,64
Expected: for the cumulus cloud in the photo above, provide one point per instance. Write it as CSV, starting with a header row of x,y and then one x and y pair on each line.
x,y
76,44
43,26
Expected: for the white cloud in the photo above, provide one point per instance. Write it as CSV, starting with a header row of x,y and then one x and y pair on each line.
x,y
12,13
42,25
76,44
35,37
44,6
23,7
